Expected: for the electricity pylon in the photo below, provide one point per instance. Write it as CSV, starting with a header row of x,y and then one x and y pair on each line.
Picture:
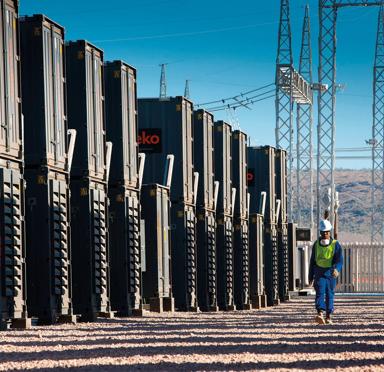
x,y
304,145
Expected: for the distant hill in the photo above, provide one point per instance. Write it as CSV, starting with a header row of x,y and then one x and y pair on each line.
x,y
354,187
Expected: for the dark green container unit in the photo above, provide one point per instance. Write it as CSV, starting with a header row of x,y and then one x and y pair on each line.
x,y
46,170
205,210
124,193
165,127
157,276
241,221
282,223
224,215
13,309
261,161
89,179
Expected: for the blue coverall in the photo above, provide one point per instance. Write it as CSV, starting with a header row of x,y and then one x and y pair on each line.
x,y
324,282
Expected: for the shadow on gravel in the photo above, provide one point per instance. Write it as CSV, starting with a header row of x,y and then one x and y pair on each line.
x,y
308,346
301,365
202,338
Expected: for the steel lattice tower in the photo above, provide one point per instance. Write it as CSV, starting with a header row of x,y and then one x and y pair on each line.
x,y
326,102
327,98
284,98
163,82
304,147
377,227
291,88
186,90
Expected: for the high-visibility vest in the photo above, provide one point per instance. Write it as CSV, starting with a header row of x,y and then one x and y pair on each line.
x,y
324,254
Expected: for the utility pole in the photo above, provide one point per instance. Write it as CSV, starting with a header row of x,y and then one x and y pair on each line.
x,y
163,82
304,145
377,193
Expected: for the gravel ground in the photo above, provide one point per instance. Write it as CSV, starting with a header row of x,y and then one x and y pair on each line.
x,y
280,338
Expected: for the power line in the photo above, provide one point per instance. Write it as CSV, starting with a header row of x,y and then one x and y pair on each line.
x,y
246,101
221,108
223,100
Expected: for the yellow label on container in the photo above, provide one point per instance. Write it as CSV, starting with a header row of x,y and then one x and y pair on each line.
x,y
178,107
180,214
80,54
116,74
41,180
152,192
120,198
200,116
84,191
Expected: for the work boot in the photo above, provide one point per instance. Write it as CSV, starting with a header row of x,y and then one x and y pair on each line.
x,y
319,318
328,319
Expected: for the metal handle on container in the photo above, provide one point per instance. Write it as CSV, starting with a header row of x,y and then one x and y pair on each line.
x,y
108,158
168,172
233,200
216,193
278,205
195,187
71,147
141,169
263,199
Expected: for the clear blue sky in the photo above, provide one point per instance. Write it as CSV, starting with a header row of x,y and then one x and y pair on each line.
x,y
224,48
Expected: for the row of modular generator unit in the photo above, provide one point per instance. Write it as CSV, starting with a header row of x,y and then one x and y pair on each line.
x,y
217,252
129,204
82,251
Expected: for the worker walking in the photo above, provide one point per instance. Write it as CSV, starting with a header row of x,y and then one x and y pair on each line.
x,y
325,266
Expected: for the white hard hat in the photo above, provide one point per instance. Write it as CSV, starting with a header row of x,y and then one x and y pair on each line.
x,y
325,225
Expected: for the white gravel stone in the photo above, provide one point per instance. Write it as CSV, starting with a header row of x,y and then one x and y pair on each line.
x,y
282,338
